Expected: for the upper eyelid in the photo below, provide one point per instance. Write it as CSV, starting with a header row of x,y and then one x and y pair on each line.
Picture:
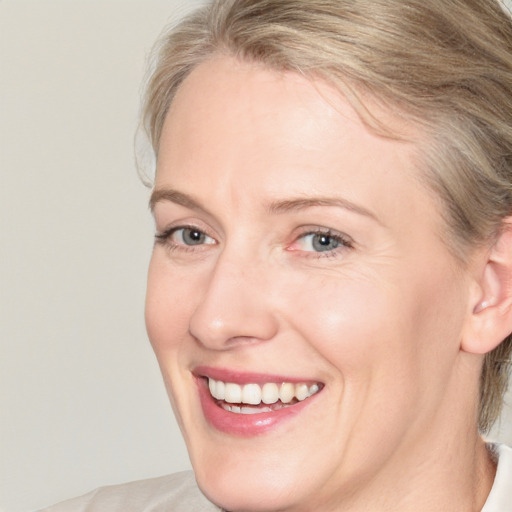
x,y
164,238
200,218
166,233
177,225
308,230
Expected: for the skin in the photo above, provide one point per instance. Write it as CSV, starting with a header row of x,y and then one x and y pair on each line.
x,y
378,320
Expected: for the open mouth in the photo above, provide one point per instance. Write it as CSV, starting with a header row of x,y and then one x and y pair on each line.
x,y
248,404
254,398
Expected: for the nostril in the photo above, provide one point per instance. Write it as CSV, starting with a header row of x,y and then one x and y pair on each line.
x,y
233,327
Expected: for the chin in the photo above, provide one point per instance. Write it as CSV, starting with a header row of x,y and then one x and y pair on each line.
x,y
253,474
248,491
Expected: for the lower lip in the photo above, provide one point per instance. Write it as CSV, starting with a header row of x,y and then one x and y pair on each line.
x,y
245,425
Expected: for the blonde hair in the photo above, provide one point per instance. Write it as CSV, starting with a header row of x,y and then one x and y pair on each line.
x,y
446,65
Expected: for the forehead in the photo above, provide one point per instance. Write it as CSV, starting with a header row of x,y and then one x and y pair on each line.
x,y
233,123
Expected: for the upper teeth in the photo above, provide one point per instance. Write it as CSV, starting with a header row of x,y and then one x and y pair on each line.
x,y
254,394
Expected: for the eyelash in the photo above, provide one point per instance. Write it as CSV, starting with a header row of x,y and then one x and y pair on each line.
x,y
343,241
164,238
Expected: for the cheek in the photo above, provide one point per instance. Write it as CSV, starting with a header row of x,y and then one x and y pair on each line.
x,y
167,312
357,329
345,319
385,335
167,304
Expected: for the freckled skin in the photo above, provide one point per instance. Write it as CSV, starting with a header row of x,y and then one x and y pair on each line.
x,y
377,320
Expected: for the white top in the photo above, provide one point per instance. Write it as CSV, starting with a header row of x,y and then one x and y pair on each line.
x,y
500,497
172,493
179,493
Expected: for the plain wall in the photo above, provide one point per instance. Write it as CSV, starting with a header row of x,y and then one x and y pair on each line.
x,y
81,398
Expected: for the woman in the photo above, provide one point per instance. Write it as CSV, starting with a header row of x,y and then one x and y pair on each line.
x,y
330,292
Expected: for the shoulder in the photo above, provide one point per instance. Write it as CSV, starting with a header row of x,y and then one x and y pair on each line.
x,y
177,492
500,496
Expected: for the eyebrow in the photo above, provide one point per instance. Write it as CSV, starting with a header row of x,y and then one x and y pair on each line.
x,y
275,207
303,203
166,194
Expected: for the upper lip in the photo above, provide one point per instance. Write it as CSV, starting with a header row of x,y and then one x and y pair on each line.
x,y
242,377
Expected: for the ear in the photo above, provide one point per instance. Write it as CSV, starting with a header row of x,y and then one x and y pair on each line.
x,y
490,318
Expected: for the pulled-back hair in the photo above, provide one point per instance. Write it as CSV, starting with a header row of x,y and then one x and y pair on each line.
x,y
445,65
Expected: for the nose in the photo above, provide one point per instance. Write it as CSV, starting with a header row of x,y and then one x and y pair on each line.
x,y
235,306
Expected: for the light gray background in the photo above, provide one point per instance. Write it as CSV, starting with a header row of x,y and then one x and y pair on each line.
x,y
81,400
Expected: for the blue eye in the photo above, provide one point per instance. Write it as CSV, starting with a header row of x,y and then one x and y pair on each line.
x,y
190,236
185,236
322,241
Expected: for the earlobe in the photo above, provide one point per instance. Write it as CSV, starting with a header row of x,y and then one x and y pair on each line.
x,y
490,320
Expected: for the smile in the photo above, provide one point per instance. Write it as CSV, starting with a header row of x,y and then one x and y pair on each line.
x,y
249,404
255,398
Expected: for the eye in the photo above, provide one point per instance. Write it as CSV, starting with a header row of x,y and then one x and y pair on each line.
x,y
191,236
185,237
321,242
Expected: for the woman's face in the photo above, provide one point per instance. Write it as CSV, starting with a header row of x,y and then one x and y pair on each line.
x,y
297,254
